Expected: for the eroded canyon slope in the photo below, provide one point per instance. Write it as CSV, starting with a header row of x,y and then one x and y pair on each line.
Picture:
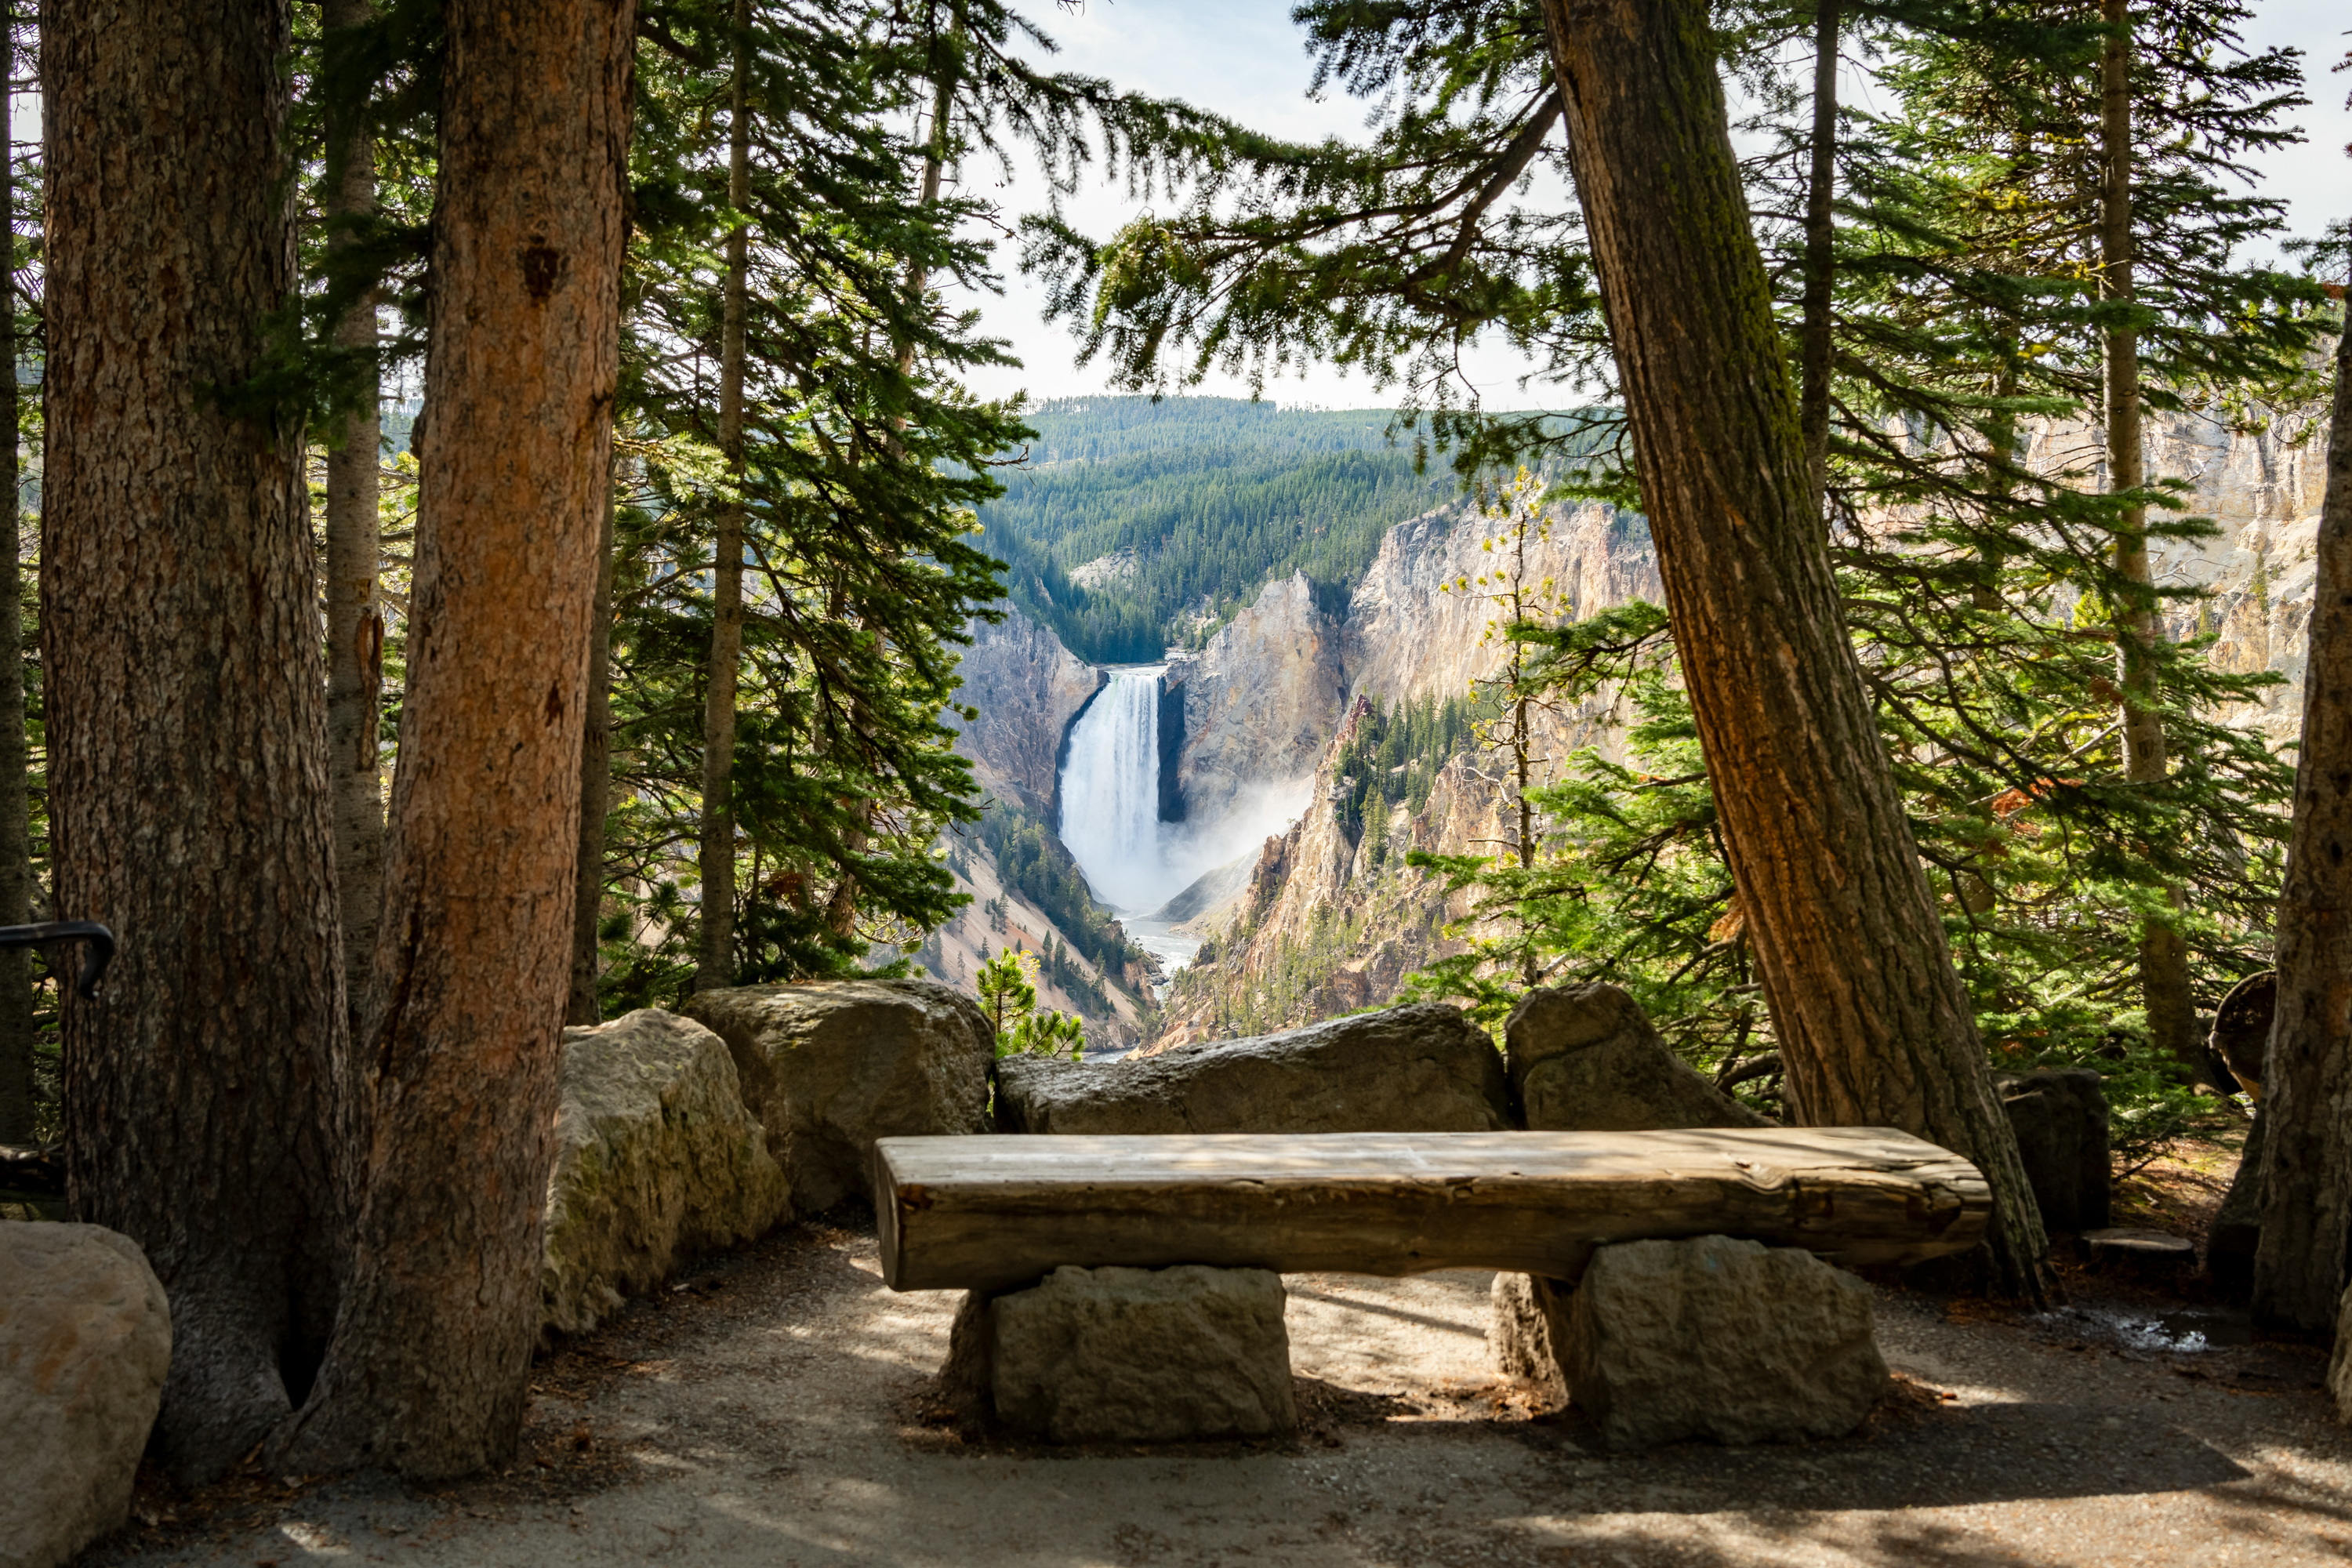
x,y
1332,919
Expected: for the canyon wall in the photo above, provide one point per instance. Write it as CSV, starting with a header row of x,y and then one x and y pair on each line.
x,y
1326,921
1404,638
1328,924
1260,701
2261,482
1028,688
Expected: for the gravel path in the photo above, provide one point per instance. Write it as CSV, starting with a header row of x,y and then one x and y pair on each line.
x,y
778,1410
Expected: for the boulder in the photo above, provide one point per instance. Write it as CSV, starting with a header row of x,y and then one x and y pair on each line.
x,y
2061,1119
1584,1058
1418,1069
1127,1356
85,1340
830,1065
2242,1030
1527,1329
1719,1338
655,1159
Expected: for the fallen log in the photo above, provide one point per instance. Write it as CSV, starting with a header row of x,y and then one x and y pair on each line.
x,y
989,1212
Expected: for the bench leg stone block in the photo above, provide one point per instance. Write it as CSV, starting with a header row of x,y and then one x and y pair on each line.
x,y
1528,1326
1127,1355
1710,1338
1721,1339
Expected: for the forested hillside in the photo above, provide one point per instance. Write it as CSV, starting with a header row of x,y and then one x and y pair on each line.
x,y
1184,507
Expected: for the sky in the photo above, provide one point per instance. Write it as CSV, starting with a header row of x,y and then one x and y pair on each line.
x,y
1244,58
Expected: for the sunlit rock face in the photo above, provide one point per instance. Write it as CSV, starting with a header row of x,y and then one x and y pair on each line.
x,y
2258,475
1260,701
1327,924
656,1159
1404,638
2261,482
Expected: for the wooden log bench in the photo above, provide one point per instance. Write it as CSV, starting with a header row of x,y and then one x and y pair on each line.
x,y
1096,1353
991,1212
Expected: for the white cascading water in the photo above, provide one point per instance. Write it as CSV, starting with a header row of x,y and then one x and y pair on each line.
x,y
1110,793
1110,814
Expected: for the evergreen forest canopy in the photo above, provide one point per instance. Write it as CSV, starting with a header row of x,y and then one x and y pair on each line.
x,y
652,625
1195,503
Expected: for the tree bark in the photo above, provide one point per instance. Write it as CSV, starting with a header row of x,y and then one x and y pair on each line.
x,y
1873,1021
715,964
2163,955
429,1367
17,1031
354,612
596,782
186,705
1813,393
2306,1171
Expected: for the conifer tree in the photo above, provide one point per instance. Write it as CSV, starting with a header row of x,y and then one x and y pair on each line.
x,y
355,625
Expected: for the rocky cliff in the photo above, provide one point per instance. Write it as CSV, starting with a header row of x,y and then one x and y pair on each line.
x,y
2262,481
1259,701
1329,922
1404,638
1333,919
1028,689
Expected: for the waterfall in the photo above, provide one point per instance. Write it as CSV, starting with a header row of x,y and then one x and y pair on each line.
x,y
1111,792
1110,813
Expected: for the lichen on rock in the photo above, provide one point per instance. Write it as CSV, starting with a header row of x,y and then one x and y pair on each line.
x,y
1423,1067
1584,1058
829,1066
656,1159
1133,1355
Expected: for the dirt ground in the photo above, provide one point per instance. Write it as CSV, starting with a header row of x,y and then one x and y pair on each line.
x,y
778,1409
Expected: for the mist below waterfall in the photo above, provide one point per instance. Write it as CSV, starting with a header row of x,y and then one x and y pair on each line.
x,y
1110,805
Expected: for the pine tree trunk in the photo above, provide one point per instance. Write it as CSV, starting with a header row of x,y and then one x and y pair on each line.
x,y
715,964
355,612
2307,1176
16,1032
428,1370
1873,1022
1813,392
207,1088
2163,955
595,782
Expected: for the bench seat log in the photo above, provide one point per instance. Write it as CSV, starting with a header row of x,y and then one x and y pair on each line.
x,y
990,1213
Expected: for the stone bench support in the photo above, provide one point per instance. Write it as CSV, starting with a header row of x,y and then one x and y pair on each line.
x,y
1714,1338
1127,1355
